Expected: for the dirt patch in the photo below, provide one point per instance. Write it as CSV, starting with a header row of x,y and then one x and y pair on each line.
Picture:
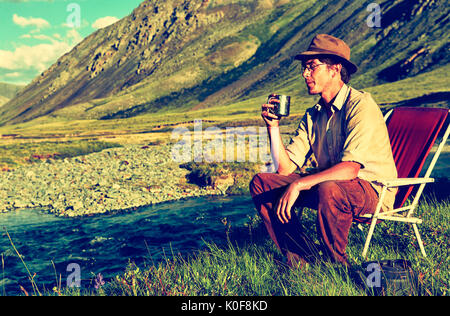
x,y
234,54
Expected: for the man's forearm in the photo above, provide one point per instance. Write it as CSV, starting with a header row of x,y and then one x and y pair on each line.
x,y
346,170
281,159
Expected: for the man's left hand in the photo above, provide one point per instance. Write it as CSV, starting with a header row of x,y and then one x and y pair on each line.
x,y
288,199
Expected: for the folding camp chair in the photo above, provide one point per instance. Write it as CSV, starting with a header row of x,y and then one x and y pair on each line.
x,y
412,132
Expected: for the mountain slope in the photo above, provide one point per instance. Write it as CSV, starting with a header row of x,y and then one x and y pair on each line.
x,y
199,53
3,100
8,90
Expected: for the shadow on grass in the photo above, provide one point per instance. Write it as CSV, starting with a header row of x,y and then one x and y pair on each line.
x,y
439,190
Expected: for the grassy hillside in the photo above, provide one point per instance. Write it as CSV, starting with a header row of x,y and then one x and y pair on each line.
x,y
151,126
221,70
167,57
21,141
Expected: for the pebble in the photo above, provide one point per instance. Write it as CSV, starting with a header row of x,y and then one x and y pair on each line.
x,y
108,181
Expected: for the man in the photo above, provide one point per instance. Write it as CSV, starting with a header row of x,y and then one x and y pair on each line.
x,y
348,137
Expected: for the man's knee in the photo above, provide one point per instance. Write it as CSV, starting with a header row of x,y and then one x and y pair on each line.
x,y
329,190
257,184
265,182
331,197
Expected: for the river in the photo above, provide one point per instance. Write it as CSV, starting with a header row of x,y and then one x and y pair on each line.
x,y
107,243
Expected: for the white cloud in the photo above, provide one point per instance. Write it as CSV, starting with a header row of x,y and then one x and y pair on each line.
x,y
41,56
104,22
24,22
13,75
74,37
41,37
37,57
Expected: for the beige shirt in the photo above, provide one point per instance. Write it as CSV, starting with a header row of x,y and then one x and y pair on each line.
x,y
355,132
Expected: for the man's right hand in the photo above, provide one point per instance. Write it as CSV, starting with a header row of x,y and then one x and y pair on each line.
x,y
281,159
271,119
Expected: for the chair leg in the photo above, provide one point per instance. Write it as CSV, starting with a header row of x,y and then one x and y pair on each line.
x,y
419,240
369,237
374,221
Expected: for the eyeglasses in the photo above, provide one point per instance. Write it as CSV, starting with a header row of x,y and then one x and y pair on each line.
x,y
310,67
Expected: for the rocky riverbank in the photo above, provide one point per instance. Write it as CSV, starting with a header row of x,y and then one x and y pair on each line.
x,y
113,179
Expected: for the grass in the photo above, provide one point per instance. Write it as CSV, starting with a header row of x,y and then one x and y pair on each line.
x,y
249,265
409,88
232,271
17,154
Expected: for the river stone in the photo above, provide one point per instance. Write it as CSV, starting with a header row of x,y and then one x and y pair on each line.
x,y
111,180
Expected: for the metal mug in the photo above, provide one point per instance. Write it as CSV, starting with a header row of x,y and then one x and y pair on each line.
x,y
280,108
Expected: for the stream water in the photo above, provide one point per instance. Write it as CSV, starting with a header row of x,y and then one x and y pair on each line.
x,y
105,244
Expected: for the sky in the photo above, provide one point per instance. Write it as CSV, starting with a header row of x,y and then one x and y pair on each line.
x,y
35,33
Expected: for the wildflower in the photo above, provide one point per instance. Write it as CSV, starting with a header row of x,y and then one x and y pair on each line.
x,y
99,282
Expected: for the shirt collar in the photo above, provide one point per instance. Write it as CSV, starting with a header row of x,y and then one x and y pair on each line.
x,y
339,100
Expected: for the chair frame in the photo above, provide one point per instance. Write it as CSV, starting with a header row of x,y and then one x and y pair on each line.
x,y
398,214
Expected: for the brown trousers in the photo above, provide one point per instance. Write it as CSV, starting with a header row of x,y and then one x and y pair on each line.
x,y
336,202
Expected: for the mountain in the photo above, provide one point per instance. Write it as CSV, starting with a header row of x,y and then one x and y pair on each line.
x,y
8,91
3,100
191,54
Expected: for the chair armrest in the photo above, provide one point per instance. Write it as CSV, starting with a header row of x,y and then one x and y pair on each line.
x,y
403,181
